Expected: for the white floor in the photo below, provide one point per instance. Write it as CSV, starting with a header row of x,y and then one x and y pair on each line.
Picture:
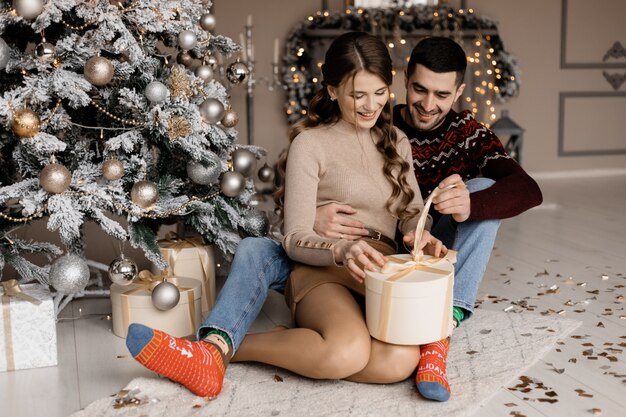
x,y
566,257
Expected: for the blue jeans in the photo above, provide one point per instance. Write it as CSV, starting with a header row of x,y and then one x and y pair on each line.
x,y
260,264
473,240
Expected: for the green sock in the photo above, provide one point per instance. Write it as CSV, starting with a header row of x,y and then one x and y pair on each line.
x,y
458,314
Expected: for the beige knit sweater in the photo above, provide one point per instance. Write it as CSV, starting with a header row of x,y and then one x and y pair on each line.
x,y
334,164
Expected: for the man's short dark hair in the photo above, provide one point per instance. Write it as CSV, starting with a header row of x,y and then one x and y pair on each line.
x,y
439,54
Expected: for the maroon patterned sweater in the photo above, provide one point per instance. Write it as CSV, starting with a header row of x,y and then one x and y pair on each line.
x,y
463,146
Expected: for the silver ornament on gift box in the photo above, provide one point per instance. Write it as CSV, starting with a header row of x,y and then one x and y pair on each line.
x,y
237,72
4,53
200,174
266,173
187,40
112,169
55,178
230,119
156,92
123,271
211,110
232,183
243,161
207,22
205,72
98,71
184,58
28,9
144,193
45,52
165,296
69,274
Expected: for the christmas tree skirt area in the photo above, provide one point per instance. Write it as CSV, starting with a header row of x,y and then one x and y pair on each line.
x,y
487,352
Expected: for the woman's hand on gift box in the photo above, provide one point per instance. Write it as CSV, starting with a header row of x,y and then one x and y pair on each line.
x,y
358,256
429,244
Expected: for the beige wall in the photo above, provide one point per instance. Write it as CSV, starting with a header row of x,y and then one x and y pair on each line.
x,y
530,29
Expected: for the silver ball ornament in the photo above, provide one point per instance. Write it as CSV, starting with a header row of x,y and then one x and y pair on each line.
x,y
187,40
211,110
211,61
5,52
205,72
144,193
208,22
165,296
230,119
112,169
200,174
98,71
28,9
266,173
123,271
256,223
232,183
156,92
237,72
45,52
69,274
55,178
243,161
184,58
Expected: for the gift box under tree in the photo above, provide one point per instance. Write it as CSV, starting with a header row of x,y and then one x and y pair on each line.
x,y
28,336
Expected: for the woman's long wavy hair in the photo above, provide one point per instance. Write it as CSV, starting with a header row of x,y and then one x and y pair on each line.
x,y
348,54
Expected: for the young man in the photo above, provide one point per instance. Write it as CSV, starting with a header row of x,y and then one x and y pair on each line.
x,y
448,148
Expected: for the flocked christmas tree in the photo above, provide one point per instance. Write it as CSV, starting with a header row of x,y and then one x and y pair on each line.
x,y
101,113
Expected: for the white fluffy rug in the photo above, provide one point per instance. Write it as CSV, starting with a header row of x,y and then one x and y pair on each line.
x,y
487,352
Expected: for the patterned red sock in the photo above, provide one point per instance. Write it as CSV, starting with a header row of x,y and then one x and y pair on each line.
x,y
431,379
196,365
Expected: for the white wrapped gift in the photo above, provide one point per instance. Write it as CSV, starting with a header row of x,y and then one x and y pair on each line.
x,y
28,333
410,303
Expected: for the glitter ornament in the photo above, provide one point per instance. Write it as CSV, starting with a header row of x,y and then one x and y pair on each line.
x,y
211,110
205,72
165,296
69,274
200,174
25,123
230,118
232,183
237,72
28,9
184,58
207,22
187,40
256,223
4,53
45,52
156,92
55,178
144,193
112,169
266,173
243,161
123,271
98,71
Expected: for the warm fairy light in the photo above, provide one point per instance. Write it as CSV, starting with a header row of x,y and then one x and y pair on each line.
x,y
450,15
484,83
436,14
402,41
476,54
326,14
391,45
491,50
492,109
496,89
461,11
293,69
492,117
401,13
470,10
314,79
292,103
392,96
348,11
360,11
477,43
289,111
489,72
468,99
393,72
477,89
477,73
470,59
488,102
490,85
498,76
493,63
302,111
310,18
319,64
474,104
512,78
407,59
474,110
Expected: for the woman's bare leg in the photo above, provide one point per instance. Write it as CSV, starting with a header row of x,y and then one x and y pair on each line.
x,y
388,363
332,341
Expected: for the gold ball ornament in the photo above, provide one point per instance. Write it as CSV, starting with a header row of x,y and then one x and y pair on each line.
x,y
207,22
112,169
184,58
98,71
243,161
25,123
144,193
28,9
230,118
266,173
205,72
211,110
55,178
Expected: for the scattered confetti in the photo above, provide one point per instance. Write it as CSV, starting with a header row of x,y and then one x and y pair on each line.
x,y
600,324
540,274
278,378
472,352
582,393
197,406
485,331
510,405
596,411
122,356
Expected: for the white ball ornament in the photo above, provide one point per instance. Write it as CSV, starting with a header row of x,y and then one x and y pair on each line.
x,y
232,183
266,173
212,110
28,9
243,161
208,22
187,40
205,72
69,274
165,296
156,92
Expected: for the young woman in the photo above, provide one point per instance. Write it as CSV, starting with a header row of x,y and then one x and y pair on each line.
x,y
346,151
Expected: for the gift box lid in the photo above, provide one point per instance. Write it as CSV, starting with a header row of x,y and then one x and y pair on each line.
x,y
140,295
430,279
